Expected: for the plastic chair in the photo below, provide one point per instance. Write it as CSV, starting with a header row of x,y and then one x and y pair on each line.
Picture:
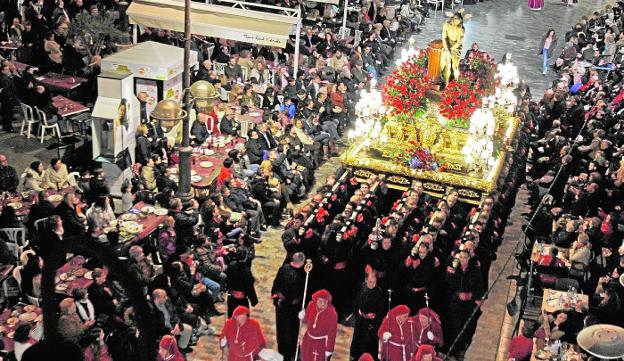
x,y
224,95
32,300
72,179
357,38
45,125
219,68
436,3
28,119
15,235
245,72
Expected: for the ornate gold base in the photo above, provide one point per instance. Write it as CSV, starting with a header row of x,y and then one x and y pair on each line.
x,y
473,182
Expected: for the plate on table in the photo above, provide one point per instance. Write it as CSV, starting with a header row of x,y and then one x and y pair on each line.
x,y
66,277
205,164
89,275
11,334
173,170
161,211
15,205
193,172
12,321
27,317
128,217
61,287
196,178
147,209
254,114
542,355
39,318
30,308
208,151
55,198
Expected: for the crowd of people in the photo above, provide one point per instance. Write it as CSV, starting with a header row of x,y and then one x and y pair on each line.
x,y
575,181
407,275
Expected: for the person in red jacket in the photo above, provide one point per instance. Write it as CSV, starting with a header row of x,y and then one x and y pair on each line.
x,y
322,320
425,353
427,328
242,335
521,346
397,335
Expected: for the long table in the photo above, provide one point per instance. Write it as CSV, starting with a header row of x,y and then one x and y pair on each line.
x,y
22,204
554,300
61,81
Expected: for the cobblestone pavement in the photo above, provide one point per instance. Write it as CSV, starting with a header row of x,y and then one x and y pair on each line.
x,y
500,26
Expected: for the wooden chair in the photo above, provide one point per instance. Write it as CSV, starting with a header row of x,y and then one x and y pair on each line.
x,y
28,119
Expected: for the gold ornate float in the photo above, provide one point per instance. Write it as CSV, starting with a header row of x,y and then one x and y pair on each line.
x,y
469,158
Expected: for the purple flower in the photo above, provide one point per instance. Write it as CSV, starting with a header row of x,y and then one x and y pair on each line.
x,y
415,163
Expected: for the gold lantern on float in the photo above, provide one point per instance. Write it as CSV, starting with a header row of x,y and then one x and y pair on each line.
x,y
169,113
204,94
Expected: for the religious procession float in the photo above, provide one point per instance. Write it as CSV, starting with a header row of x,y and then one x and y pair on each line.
x,y
439,119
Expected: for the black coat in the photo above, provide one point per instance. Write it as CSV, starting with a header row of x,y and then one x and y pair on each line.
x,y
72,223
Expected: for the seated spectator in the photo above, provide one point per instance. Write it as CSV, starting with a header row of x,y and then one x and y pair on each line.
x,y
580,251
167,321
70,327
100,214
521,346
55,177
8,176
34,177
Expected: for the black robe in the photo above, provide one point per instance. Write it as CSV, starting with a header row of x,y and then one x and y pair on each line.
x,y
287,293
368,301
240,279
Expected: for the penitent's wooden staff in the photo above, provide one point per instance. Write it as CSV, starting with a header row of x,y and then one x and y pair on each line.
x,y
307,268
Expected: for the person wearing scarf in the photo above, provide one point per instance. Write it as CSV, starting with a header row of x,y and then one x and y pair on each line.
x,y
428,328
319,340
425,353
168,350
242,335
397,335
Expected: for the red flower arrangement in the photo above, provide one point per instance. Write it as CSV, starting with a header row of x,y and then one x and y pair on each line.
x,y
460,99
404,89
483,67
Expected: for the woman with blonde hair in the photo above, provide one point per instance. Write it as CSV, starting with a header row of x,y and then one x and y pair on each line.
x,y
260,72
142,151
235,94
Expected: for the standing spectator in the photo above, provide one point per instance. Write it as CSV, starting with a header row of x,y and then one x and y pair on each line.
x,y
547,48
8,97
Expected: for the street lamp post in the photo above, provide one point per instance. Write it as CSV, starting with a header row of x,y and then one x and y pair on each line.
x,y
184,187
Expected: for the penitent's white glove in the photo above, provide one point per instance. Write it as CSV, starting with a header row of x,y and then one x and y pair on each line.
x,y
386,336
301,315
430,335
223,342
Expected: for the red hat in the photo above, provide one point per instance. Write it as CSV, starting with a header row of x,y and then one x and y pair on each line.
x,y
322,294
428,312
424,350
240,310
366,357
399,310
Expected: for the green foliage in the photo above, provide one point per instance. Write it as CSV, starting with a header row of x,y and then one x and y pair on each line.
x,y
94,31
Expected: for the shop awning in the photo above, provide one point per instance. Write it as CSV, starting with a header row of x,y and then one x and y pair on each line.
x,y
213,20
